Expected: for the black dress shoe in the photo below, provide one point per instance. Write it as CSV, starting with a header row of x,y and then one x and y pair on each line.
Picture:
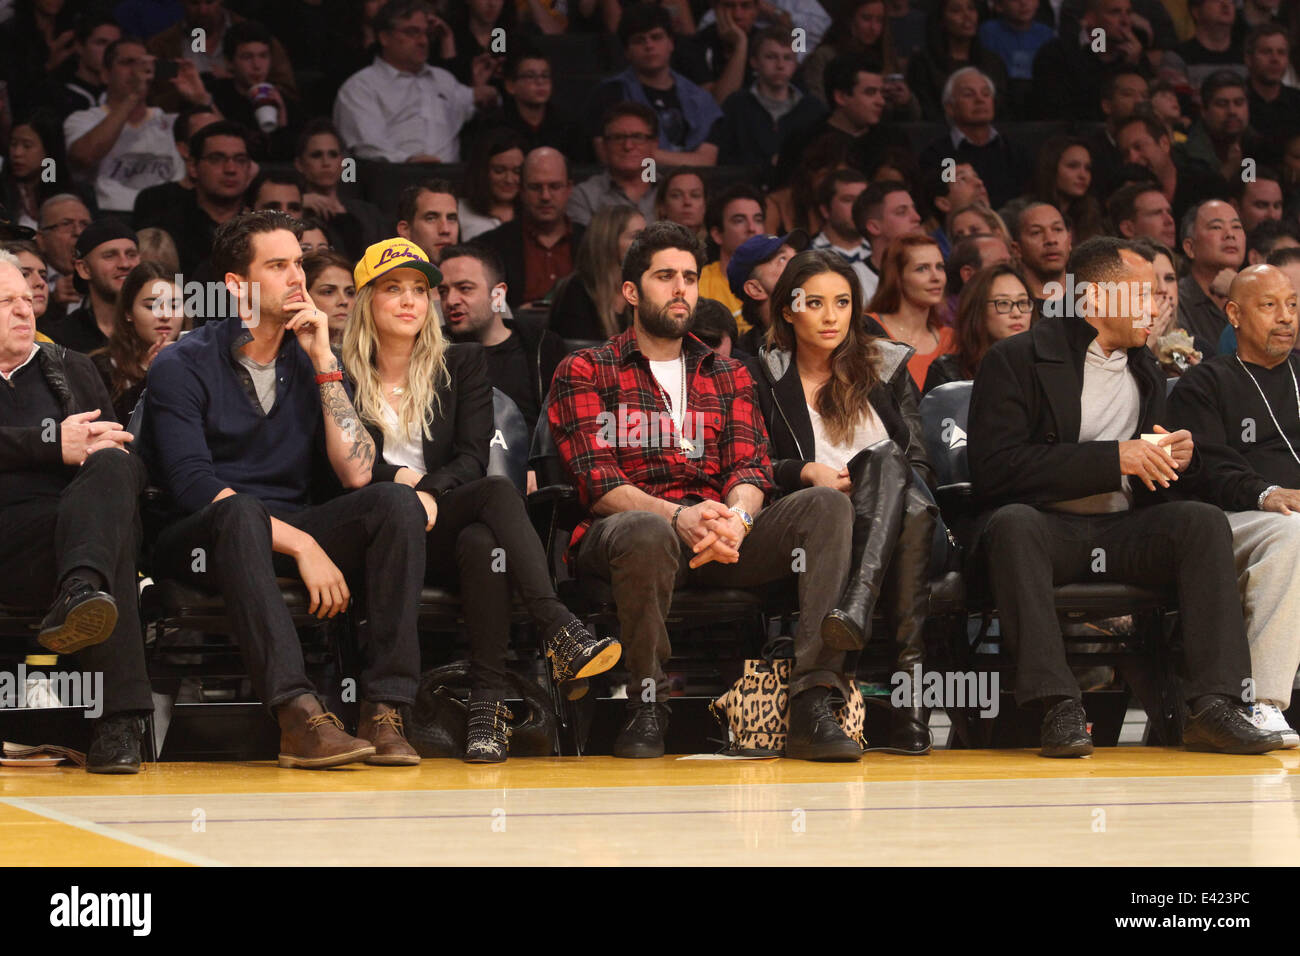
x,y
815,734
643,735
1065,730
81,617
115,745
576,655
1223,727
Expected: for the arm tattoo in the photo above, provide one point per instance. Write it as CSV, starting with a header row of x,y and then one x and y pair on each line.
x,y
338,408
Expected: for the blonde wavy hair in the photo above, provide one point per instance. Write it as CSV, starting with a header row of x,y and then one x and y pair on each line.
x,y
425,376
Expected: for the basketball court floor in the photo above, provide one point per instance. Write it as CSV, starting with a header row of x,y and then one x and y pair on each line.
x,y
1122,806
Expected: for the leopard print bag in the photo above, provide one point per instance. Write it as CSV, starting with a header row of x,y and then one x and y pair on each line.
x,y
755,712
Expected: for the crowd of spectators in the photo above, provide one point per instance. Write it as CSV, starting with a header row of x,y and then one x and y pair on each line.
x,y
951,154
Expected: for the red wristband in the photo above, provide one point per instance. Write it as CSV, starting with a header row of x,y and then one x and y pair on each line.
x,y
323,377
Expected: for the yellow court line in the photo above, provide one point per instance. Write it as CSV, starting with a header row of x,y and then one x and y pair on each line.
x,y
609,772
39,837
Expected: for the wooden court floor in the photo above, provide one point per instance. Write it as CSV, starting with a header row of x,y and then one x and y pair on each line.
x,y
1126,805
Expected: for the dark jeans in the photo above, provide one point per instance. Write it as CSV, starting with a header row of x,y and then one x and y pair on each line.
x,y
94,523
644,560
375,535
482,544
1182,545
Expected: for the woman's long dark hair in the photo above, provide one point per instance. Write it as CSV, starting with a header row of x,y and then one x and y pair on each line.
x,y
937,43
845,398
125,346
840,36
478,182
1084,212
971,326
49,130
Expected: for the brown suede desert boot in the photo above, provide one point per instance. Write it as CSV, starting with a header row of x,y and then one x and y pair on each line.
x,y
381,725
311,738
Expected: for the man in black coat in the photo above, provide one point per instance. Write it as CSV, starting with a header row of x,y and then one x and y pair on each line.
x,y
521,359
1055,442
69,520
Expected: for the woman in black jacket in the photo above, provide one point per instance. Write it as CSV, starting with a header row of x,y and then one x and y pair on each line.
x,y
428,406
840,411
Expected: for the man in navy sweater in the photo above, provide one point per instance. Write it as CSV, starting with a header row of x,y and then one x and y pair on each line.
x,y
238,419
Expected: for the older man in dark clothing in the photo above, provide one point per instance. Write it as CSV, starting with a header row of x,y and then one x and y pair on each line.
x,y
69,519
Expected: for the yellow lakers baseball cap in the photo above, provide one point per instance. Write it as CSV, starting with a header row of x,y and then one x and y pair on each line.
x,y
394,254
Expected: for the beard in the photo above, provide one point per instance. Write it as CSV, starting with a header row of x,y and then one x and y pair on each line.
x,y
659,322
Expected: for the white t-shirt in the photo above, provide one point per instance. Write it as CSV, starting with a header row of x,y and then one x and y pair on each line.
x,y
868,431
144,155
669,375
404,454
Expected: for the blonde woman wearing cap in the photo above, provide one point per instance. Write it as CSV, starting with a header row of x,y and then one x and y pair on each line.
x,y
428,406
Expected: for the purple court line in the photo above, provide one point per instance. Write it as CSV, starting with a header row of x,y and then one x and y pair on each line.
x,y
649,813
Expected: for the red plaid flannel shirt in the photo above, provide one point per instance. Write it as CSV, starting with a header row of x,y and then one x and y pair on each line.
x,y
596,391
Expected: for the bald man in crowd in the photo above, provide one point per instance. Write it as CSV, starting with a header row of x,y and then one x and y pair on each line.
x,y
1243,410
538,247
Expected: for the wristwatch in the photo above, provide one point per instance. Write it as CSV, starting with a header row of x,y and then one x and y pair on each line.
x,y
744,517
1265,493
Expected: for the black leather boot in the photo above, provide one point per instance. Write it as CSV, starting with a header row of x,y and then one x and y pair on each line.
x,y
814,733
908,605
643,734
487,738
881,476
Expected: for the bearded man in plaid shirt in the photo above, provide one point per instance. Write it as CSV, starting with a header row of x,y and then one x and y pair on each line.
x,y
667,447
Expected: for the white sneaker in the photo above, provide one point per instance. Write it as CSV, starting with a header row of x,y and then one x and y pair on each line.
x,y
1268,716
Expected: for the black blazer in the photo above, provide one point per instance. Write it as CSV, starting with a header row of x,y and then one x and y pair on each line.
x,y
457,451
789,429
1023,430
507,240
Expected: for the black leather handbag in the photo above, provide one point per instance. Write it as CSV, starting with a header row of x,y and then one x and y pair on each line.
x,y
437,727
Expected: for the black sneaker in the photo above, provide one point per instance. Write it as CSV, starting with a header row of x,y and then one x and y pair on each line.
x,y
643,735
815,734
489,730
1065,730
115,745
575,654
81,617
1224,727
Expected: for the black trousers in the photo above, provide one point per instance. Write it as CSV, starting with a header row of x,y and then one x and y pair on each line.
x,y
375,535
1185,546
482,544
94,523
